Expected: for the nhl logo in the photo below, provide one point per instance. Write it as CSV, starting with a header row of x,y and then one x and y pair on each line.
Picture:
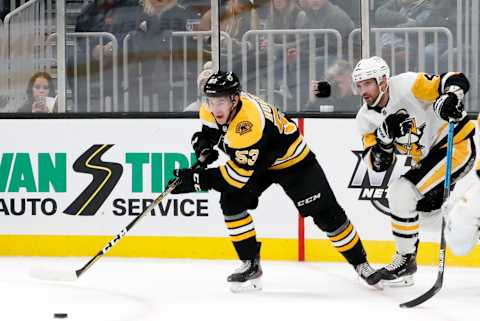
x,y
373,185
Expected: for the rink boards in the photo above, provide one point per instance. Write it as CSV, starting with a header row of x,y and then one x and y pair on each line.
x,y
68,185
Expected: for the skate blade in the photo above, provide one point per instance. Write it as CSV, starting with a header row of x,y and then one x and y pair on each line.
x,y
401,282
378,285
248,286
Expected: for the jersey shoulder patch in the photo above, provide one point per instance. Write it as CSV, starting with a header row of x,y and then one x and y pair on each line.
x,y
247,126
426,87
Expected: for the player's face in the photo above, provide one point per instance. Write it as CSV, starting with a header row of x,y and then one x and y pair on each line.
x,y
369,90
221,107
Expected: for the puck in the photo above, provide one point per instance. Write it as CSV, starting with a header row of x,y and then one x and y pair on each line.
x,y
60,315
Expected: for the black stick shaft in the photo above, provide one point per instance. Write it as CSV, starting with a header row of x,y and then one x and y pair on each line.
x,y
125,230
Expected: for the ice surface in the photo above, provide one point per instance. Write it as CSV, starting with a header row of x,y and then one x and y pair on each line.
x,y
117,289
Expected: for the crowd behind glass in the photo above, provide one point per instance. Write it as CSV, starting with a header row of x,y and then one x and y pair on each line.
x,y
155,55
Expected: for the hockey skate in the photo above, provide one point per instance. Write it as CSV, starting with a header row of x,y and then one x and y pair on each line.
x,y
247,277
369,275
400,272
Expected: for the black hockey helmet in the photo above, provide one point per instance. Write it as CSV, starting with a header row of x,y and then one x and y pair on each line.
x,y
221,84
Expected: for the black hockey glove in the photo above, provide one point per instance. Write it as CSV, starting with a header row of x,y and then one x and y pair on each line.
x,y
191,180
449,107
381,159
395,125
203,148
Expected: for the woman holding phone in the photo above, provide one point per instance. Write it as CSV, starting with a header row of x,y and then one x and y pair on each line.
x,y
40,94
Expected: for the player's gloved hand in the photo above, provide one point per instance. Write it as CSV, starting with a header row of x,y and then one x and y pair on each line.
x,y
449,107
381,158
395,125
203,148
191,180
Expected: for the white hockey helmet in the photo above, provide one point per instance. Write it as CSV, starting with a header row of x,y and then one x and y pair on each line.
x,y
373,67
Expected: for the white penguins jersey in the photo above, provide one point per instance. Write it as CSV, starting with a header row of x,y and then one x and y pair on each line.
x,y
413,93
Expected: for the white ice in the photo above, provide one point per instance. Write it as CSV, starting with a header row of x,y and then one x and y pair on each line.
x,y
119,289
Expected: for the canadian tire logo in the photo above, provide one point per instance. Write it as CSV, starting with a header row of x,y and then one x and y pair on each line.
x,y
373,185
105,176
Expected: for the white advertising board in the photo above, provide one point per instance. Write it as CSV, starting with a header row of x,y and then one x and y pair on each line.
x,y
46,165
54,173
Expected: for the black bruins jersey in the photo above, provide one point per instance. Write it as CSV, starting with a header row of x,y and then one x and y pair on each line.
x,y
258,138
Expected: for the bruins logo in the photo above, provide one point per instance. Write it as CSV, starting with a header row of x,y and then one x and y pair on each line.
x,y
243,127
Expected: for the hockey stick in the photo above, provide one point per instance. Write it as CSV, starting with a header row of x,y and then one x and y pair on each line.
x,y
441,259
46,273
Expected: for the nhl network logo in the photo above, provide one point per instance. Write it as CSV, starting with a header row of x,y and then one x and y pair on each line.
x,y
373,185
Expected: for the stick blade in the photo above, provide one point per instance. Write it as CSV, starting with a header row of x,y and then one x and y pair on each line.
x,y
424,297
49,274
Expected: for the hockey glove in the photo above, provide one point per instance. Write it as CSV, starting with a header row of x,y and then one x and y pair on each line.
x,y
381,159
395,125
191,180
204,150
449,107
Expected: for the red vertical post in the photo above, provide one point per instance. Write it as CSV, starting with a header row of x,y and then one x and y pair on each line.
x,y
301,223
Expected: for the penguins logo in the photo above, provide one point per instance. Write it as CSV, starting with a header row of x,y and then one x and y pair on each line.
x,y
409,144
105,178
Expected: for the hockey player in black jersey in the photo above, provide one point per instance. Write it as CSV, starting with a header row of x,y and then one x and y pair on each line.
x,y
264,147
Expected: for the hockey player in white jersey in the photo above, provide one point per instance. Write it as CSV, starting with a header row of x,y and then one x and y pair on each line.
x,y
463,220
408,114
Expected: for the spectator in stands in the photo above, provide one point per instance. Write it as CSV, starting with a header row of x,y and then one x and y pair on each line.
x,y
152,45
402,14
444,14
236,18
283,15
201,81
262,8
114,16
352,8
196,9
342,98
40,94
319,14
